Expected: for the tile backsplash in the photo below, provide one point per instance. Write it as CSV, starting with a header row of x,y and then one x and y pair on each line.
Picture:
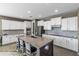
x,y
58,31
10,32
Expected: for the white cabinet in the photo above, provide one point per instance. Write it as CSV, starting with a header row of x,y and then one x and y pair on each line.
x,y
70,24
57,41
56,21
76,45
64,24
5,24
69,43
4,40
18,25
63,42
72,44
47,25
40,23
60,41
12,25
8,39
27,24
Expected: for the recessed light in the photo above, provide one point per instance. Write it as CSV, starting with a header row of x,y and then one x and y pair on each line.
x,y
56,10
28,11
40,16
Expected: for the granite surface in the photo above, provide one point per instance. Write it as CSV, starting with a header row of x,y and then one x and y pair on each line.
x,y
75,37
36,41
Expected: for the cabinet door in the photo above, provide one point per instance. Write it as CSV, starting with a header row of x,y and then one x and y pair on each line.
x,y
64,24
74,45
57,41
53,21
41,23
22,25
4,40
76,23
47,25
5,24
27,24
12,25
12,38
71,23
63,42
60,41
58,21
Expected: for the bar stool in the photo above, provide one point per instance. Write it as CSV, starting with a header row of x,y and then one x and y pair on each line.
x,y
17,45
29,49
21,46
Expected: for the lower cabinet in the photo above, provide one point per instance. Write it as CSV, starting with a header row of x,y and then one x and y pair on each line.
x,y
4,40
69,43
8,39
72,44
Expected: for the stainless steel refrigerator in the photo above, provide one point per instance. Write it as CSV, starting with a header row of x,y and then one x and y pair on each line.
x,y
40,30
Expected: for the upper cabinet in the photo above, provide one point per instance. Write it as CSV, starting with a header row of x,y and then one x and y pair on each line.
x,y
47,25
69,24
5,24
27,24
56,21
12,25
41,23
64,24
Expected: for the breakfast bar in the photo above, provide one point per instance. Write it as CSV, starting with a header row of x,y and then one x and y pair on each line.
x,y
43,46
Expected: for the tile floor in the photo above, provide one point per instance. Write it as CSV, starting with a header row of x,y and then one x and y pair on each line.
x,y
10,50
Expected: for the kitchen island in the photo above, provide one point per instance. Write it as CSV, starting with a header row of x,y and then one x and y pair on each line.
x,y
44,46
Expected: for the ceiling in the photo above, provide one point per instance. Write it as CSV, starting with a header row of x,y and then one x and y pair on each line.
x,y
35,10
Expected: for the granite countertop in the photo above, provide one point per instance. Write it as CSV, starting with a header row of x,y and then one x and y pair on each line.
x,y
10,34
38,42
75,37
